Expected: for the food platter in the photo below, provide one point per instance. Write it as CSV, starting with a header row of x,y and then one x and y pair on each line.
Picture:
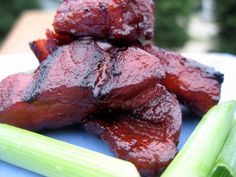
x,y
10,64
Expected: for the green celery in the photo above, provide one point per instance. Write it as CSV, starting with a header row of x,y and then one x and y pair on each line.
x,y
53,158
197,157
226,163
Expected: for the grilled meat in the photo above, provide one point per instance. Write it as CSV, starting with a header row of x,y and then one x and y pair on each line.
x,y
86,78
196,85
77,81
146,136
122,20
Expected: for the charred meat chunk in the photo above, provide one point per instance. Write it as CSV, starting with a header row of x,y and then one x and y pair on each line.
x,y
195,85
122,20
77,81
146,136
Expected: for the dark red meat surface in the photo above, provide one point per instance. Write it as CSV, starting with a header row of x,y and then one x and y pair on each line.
x,y
123,20
146,136
86,78
76,81
195,85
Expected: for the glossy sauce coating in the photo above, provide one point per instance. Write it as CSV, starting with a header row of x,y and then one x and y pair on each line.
x,y
146,136
196,85
123,20
75,82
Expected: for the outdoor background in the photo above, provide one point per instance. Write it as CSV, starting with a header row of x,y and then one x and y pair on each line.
x,y
183,25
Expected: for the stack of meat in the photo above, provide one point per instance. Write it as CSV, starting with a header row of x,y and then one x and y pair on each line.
x,y
94,71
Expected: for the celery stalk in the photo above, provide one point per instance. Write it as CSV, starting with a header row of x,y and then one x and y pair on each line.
x,y
53,158
200,152
226,163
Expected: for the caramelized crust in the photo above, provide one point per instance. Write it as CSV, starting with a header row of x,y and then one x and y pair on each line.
x,y
77,81
195,85
122,20
146,136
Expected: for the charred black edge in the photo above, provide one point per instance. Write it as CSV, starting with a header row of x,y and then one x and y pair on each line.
x,y
33,48
219,77
32,92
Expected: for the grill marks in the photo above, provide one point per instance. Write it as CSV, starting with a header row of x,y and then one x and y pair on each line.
x,y
77,81
81,80
146,128
195,85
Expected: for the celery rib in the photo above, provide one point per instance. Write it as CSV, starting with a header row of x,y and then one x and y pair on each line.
x,y
197,157
226,163
53,158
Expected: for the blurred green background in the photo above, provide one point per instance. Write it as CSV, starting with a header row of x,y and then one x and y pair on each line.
x,y
226,20
172,19
175,21
10,10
